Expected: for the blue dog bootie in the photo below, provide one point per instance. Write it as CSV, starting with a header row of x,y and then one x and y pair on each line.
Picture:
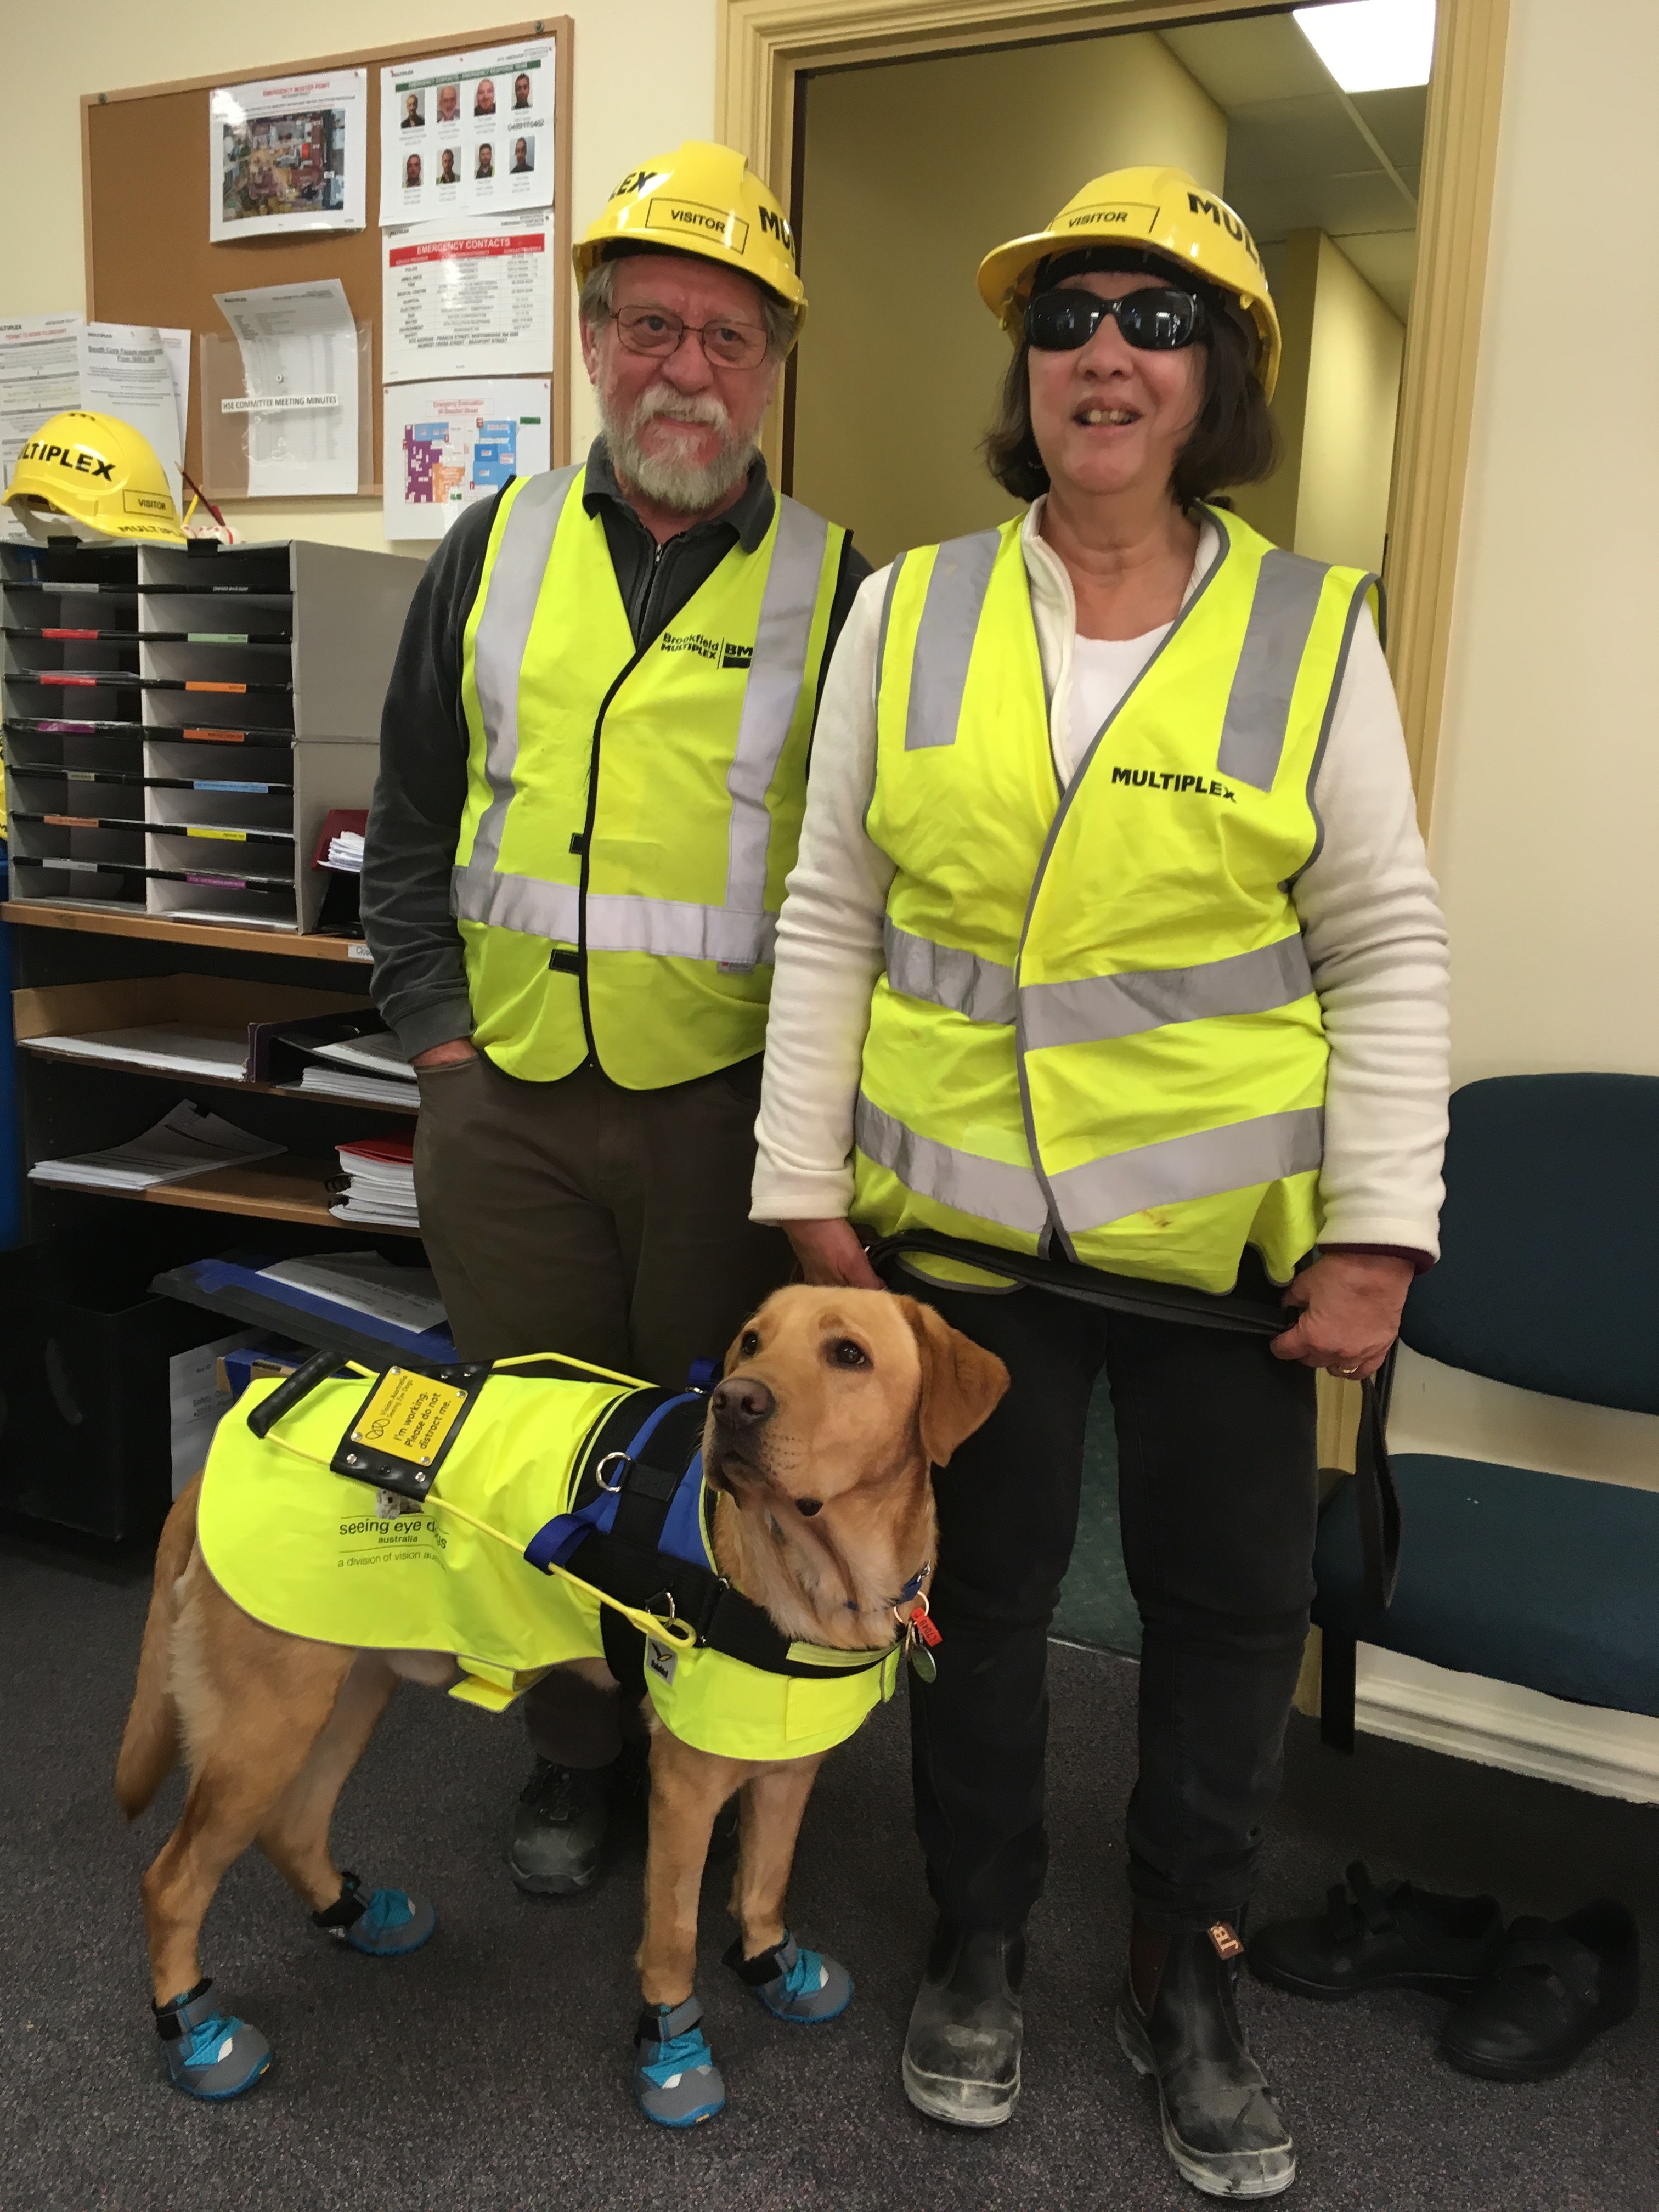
x,y
210,2054
384,1923
675,2081
793,1984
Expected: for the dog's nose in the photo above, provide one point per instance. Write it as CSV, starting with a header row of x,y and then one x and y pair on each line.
x,y
740,1402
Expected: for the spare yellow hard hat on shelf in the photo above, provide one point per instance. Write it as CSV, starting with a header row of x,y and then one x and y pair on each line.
x,y
1162,212
98,476
702,199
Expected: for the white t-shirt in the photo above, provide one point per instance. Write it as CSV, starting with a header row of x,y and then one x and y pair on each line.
x,y
1103,669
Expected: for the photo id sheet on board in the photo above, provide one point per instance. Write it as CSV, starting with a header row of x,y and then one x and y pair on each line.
x,y
288,155
467,298
468,135
450,444
299,349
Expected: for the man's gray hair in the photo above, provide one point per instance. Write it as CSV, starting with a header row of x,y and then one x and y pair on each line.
x,y
595,302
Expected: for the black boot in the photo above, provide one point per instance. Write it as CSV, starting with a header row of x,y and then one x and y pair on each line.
x,y
962,2051
1220,2125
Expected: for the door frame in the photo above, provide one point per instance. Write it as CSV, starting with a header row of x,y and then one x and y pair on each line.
x,y
764,45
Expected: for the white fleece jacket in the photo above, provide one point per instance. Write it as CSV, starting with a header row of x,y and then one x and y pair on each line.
x,y
1368,906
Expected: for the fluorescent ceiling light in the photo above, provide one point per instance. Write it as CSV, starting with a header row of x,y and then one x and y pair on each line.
x,y
1369,46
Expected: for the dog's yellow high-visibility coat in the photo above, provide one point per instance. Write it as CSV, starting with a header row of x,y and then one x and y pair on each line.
x,y
544,1463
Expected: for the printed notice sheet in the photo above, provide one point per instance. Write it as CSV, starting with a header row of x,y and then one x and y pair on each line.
x,y
471,300
447,445
299,349
470,135
288,155
51,363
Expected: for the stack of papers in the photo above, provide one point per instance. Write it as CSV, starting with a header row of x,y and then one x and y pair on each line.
x,y
176,1048
187,1143
379,1182
345,852
371,1070
407,1297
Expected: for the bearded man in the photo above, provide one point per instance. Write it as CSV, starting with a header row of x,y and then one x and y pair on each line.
x,y
592,772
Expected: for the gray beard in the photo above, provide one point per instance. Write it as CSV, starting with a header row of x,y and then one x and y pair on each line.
x,y
682,487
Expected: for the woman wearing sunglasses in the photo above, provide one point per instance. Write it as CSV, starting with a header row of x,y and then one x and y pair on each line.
x,y
1111,943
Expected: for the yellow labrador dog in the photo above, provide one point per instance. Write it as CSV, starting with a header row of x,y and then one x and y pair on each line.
x,y
834,1408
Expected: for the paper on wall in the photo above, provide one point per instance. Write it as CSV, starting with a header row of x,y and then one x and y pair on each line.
x,y
133,371
447,445
299,349
471,134
468,299
288,155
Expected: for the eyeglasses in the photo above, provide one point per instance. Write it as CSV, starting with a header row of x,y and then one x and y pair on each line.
x,y
726,345
1156,319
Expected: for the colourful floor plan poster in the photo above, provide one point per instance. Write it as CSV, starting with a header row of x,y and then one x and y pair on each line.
x,y
447,445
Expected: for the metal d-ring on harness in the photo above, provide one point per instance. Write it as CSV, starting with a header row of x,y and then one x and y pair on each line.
x,y
1375,1494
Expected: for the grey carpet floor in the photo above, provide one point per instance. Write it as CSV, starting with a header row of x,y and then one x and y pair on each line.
x,y
488,2073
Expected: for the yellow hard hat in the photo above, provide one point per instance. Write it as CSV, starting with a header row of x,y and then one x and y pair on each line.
x,y
702,199
98,474
1163,211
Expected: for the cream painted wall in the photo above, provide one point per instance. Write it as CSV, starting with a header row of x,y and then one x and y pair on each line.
x,y
1348,427
900,364
643,79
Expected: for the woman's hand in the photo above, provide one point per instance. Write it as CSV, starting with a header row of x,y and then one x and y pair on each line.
x,y
446,1056
829,1253
1350,1315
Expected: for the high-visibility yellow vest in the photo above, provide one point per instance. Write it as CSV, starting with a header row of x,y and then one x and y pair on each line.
x,y
305,1551
631,817
1097,1033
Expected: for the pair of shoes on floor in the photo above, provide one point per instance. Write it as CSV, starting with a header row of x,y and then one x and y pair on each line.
x,y
564,1813
677,2083
215,2056
1221,2127
1528,1998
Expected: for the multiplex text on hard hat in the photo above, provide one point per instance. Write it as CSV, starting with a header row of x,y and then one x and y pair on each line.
x,y
1163,211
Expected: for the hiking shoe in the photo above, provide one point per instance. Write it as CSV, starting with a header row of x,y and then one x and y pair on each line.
x,y
381,1923
1367,1938
962,2050
793,1984
210,2054
675,2081
1221,2126
558,1831
1554,1986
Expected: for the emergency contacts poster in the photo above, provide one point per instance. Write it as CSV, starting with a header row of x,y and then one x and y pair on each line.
x,y
450,444
468,299
470,135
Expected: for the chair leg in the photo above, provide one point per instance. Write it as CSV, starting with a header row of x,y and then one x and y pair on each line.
x,y
1336,1689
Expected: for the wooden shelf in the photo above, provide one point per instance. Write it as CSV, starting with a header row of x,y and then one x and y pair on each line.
x,y
282,1189
191,1082
41,914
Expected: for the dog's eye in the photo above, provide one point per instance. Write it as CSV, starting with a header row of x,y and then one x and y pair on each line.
x,y
748,1343
843,1352
806,1507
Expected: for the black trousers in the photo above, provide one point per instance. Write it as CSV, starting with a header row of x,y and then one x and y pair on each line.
x,y
1218,1500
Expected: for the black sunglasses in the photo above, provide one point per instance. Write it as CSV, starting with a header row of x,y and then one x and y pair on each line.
x,y
1156,319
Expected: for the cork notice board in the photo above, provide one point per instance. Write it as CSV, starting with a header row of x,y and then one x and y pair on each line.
x,y
145,184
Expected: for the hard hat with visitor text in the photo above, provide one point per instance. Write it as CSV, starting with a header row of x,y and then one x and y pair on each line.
x,y
702,199
1162,212
92,476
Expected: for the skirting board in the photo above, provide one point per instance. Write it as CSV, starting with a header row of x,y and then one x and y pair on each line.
x,y
1500,1725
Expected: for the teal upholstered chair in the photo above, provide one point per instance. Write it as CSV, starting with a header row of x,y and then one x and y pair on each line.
x,y
1549,1280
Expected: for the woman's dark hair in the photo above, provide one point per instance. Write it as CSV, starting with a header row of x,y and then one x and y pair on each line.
x,y
1234,440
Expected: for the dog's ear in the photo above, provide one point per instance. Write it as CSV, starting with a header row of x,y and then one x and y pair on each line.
x,y
960,1382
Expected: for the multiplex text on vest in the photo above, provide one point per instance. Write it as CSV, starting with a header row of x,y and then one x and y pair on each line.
x,y
1154,778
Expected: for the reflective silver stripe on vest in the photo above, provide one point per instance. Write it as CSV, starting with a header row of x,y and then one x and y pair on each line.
x,y
945,637
1258,715
770,698
966,1180
616,922
944,975
1202,1165
498,650
1128,1004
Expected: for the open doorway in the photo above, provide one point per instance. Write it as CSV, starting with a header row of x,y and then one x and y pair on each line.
x,y
907,172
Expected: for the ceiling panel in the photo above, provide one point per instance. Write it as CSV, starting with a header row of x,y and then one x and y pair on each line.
x,y
1295,138
1397,118
1387,259
1340,204
1265,57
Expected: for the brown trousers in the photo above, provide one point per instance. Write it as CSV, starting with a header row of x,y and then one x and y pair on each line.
x,y
610,1225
